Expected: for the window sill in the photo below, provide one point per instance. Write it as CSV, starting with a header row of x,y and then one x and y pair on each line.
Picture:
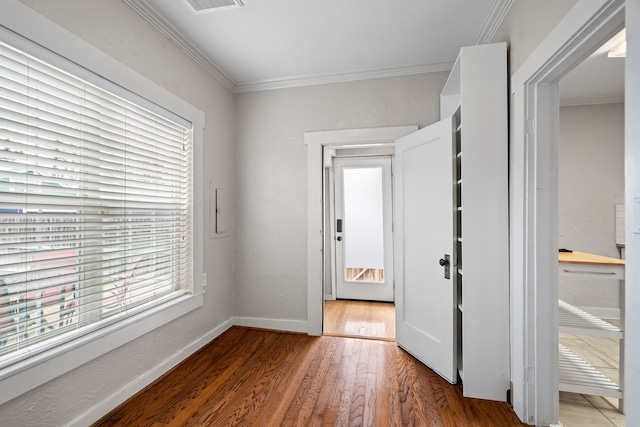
x,y
30,373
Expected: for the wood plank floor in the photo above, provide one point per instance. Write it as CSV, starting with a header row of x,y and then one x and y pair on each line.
x,y
364,319
249,377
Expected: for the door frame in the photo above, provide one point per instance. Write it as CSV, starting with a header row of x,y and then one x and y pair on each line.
x,y
316,142
534,205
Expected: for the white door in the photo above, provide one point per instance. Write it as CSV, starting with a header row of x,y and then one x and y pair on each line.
x,y
424,210
363,228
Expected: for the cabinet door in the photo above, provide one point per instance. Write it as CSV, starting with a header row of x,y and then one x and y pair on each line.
x,y
425,299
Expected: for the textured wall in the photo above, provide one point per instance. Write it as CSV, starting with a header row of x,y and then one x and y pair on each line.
x,y
271,178
527,24
591,184
115,29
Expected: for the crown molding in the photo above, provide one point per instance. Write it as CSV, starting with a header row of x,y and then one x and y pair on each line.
x,y
297,81
577,101
497,14
146,11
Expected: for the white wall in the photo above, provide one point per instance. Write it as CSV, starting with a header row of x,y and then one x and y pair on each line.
x,y
96,387
271,178
591,184
527,24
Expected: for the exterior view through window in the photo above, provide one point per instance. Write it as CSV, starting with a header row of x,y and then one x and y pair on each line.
x,y
95,202
364,250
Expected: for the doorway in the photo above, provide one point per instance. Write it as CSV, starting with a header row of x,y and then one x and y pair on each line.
x,y
534,204
317,228
359,290
591,220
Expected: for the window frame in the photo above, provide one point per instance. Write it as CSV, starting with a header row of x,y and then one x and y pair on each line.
x,y
32,33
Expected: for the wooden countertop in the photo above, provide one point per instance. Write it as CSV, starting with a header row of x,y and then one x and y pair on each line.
x,y
585,258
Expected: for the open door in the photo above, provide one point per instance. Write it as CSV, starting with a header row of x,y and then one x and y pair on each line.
x,y
423,240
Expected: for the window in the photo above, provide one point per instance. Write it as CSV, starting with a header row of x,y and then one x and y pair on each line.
x,y
95,207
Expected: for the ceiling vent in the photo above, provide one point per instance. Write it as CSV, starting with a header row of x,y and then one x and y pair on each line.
x,y
211,5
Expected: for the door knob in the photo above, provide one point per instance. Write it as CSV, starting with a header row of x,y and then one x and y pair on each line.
x,y
339,238
445,263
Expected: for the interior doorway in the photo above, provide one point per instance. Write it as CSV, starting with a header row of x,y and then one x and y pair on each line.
x,y
534,204
591,221
358,256
318,229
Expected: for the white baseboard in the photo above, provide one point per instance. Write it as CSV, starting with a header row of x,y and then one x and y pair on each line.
x,y
603,312
285,325
131,388
329,297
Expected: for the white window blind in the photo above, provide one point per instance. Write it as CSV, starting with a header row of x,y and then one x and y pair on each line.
x,y
95,207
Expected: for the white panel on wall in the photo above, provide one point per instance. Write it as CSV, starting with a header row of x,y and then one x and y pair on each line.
x,y
218,212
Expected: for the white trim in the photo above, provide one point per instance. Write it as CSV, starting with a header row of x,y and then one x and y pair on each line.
x,y
631,321
137,384
330,179
534,170
581,21
32,30
285,325
297,81
571,102
351,137
315,142
497,14
26,375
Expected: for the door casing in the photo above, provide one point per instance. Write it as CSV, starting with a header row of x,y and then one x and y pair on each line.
x,y
533,201
316,143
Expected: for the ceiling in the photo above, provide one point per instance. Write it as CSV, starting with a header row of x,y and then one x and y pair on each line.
x,y
281,43
269,44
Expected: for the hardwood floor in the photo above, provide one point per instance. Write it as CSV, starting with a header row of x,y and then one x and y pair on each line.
x,y
362,319
264,378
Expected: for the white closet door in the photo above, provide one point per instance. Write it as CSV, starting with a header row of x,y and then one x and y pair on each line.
x,y
425,299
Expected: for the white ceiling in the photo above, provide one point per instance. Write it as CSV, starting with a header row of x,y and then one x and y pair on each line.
x,y
282,43
279,43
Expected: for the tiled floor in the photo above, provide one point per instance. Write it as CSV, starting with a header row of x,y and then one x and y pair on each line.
x,y
577,410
